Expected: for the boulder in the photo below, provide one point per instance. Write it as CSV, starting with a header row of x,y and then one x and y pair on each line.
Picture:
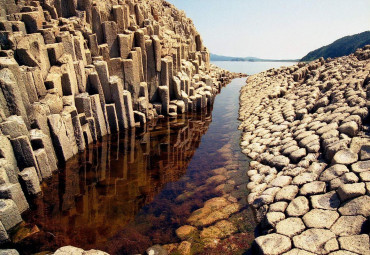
x,y
361,166
296,251
273,244
15,193
8,252
14,127
272,218
31,180
297,155
43,163
333,172
69,250
298,207
280,162
112,119
4,237
278,206
318,241
328,201
345,157
186,231
9,214
358,244
313,188
129,109
281,181
156,250
24,152
287,193
349,128
348,225
319,218
365,152
60,138
290,227
357,206
348,191
42,141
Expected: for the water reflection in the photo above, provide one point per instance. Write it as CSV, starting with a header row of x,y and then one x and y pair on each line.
x,y
101,190
130,192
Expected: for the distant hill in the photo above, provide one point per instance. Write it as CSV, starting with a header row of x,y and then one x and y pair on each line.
x,y
341,47
215,57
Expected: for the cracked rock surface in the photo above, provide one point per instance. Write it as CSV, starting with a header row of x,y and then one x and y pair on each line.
x,y
305,127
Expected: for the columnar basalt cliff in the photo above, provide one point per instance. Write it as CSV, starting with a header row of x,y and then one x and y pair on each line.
x,y
72,72
306,129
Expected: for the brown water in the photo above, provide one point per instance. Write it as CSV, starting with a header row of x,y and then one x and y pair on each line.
x,y
127,193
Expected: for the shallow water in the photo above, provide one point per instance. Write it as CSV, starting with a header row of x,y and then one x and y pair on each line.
x,y
250,67
127,193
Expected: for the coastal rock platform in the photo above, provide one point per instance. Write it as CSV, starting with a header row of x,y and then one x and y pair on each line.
x,y
305,127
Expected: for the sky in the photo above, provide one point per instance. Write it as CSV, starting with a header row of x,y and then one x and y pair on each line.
x,y
275,29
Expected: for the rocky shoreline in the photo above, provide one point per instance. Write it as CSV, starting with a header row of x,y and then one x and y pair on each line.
x,y
305,127
73,72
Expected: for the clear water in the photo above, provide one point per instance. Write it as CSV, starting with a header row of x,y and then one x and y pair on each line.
x,y
250,67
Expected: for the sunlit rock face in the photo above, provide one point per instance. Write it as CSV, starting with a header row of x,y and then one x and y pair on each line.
x,y
306,129
72,72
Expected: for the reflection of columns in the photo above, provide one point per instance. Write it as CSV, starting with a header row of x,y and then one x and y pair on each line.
x,y
125,156
95,158
89,155
114,147
140,166
83,169
103,161
108,141
92,204
71,184
168,143
117,147
125,166
130,179
131,137
146,144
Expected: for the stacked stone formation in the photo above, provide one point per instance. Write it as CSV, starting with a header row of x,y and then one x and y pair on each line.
x,y
303,126
72,72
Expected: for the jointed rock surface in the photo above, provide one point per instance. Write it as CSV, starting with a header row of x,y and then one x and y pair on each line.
x,y
306,129
72,72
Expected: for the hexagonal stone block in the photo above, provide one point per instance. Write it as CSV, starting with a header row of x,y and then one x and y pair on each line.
x,y
298,252
313,188
318,241
348,191
298,207
9,214
357,206
319,218
290,227
287,193
358,244
329,201
361,166
333,172
348,225
273,244
345,157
